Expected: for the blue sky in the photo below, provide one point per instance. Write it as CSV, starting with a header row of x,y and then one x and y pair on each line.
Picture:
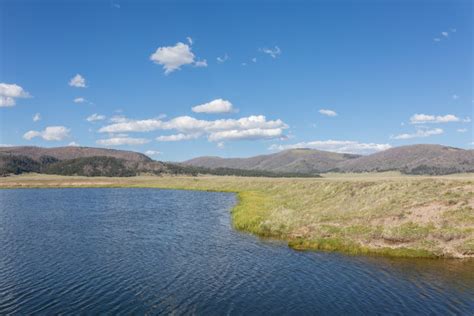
x,y
347,76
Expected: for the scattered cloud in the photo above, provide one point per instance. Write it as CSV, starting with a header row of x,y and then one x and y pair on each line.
x,y
9,93
222,59
461,130
190,40
254,60
78,81
79,100
118,141
177,137
455,97
36,117
437,39
246,134
327,112
50,133
339,146
215,106
152,153
420,133
425,118
173,57
445,34
252,127
220,145
73,144
273,52
95,117
201,63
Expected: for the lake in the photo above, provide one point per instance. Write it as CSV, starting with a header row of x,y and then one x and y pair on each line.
x,y
150,251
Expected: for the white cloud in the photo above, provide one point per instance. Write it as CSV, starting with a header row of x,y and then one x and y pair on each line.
x,y
445,34
420,133
78,81
424,118
173,57
73,144
201,63
36,117
247,134
327,112
117,141
339,146
177,137
79,100
220,145
273,52
50,133
461,130
437,39
252,127
254,59
9,93
223,59
190,40
152,153
455,97
215,106
95,117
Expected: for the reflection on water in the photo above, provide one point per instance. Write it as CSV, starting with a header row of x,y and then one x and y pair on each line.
x,y
161,251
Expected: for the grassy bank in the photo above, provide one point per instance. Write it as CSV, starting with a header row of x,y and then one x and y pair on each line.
x,y
382,214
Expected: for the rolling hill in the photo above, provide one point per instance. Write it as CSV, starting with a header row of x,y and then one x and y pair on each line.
x,y
413,159
88,161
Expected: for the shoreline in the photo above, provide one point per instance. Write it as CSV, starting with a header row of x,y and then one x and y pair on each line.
x,y
266,208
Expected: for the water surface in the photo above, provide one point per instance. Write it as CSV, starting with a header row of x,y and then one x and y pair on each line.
x,y
149,251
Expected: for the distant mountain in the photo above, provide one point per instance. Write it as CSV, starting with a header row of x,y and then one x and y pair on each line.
x,y
292,160
72,152
413,159
87,161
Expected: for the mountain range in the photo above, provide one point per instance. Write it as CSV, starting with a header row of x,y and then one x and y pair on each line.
x,y
413,159
87,161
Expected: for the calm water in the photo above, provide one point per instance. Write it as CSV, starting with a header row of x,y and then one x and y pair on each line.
x,y
149,251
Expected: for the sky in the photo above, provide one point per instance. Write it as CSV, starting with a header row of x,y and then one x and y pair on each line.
x,y
181,79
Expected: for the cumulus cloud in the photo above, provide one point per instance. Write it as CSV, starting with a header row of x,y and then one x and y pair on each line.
x,y
79,100
222,59
425,118
420,133
9,93
78,81
246,134
36,117
73,144
173,57
95,117
215,106
327,112
50,133
273,52
177,137
339,146
118,141
253,125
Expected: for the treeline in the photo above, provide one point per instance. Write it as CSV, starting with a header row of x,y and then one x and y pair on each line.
x,y
115,167
192,170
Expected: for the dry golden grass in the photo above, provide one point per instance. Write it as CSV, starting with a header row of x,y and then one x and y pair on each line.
x,y
385,213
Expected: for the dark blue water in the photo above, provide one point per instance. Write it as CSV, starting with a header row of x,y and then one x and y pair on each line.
x,y
148,251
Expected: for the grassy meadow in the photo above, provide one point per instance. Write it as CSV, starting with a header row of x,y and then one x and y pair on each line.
x,y
378,214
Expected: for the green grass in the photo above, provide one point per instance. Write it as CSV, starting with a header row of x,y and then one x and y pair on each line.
x,y
375,214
